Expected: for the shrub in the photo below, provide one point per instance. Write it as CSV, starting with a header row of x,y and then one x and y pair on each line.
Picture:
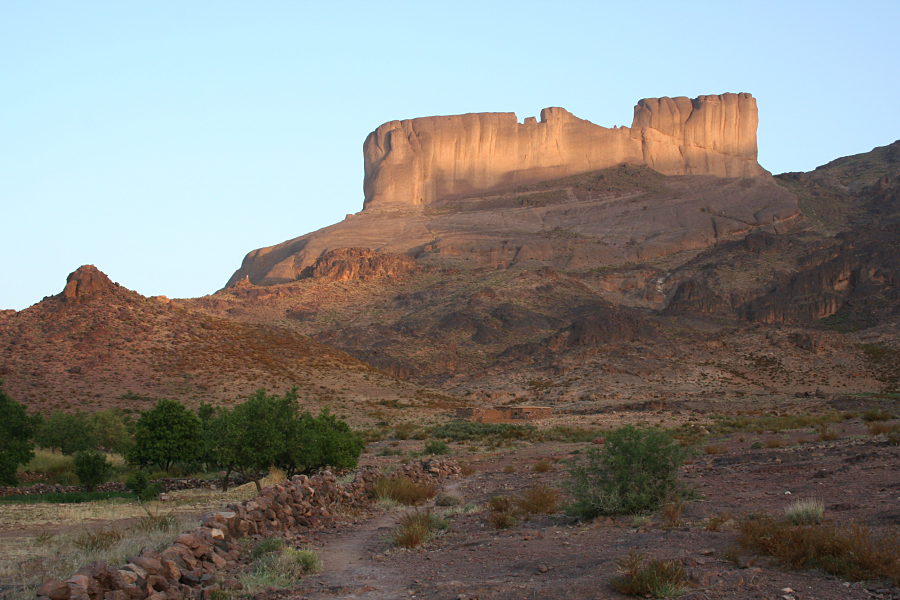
x,y
166,433
879,427
850,551
775,443
416,528
92,468
711,449
538,499
95,541
805,511
827,434
542,466
447,500
466,470
716,522
635,471
756,445
137,482
436,447
280,568
874,415
502,512
510,468
671,514
390,452
653,578
69,433
404,490
153,490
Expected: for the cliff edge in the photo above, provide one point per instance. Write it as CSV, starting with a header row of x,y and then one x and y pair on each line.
x,y
421,161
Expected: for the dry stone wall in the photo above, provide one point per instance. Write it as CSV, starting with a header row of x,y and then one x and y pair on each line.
x,y
205,559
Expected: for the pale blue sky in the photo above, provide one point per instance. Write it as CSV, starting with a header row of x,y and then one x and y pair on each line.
x,y
162,141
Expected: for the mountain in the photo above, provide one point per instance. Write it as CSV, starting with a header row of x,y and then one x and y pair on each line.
x,y
99,345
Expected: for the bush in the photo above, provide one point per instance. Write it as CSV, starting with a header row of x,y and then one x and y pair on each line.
x,y
635,472
875,415
542,466
446,500
167,433
652,579
69,433
404,490
436,447
538,499
502,512
137,482
850,551
416,528
153,490
92,468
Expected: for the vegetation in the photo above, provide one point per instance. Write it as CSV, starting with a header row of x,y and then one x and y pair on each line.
x,y
92,468
68,433
635,471
65,497
404,490
416,528
278,566
167,433
16,430
436,447
502,512
536,500
805,511
850,551
649,578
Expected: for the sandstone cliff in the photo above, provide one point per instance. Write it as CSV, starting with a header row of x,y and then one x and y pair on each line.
x,y
420,161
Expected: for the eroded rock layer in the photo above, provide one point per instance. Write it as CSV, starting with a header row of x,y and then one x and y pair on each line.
x,y
420,161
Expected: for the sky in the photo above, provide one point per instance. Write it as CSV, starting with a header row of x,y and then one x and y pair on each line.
x,y
162,141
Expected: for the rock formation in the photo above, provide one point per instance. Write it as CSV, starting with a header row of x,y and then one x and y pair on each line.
x,y
420,161
86,282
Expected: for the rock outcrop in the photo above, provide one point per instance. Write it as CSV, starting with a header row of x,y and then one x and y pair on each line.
x,y
85,283
347,264
420,161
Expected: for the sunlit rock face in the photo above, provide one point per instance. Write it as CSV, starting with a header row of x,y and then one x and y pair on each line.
x,y
420,161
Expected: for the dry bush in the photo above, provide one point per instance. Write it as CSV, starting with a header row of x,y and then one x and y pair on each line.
x,y
851,551
538,499
502,512
775,443
671,514
98,541
879,427
827,434
542,466
875,415
652,579
416,528
404,490
510,468
711,449
466,470
716,522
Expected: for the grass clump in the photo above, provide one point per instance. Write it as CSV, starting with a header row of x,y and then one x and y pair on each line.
x,y
416,528
775,424
268,546
827,434
649,578
636,471
66,497
404,490
849,551
805,511
542,466
879,427
446,500
536,500
98,541
502,512
280,568
875,415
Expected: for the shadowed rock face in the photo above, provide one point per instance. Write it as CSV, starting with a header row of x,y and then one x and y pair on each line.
x,y
421,161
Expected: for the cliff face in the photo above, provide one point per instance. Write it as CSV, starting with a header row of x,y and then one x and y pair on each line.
x,y
420,161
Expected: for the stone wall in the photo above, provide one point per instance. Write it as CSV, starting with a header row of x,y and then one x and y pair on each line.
x,y
200,561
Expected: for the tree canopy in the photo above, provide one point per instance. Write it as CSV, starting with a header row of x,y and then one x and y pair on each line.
x,y
165,434
16,429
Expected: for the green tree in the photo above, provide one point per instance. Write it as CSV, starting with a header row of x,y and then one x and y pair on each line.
x,y
16,429
92,468
166,434
69,433
635,471
110,429
318,442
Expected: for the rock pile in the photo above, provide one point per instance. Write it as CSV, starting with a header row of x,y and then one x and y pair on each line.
x,y
194,566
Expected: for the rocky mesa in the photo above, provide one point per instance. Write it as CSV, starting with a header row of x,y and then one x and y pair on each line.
x,y
485,190
420,161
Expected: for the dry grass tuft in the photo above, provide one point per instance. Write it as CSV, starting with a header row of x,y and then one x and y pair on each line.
x,y
502,512
671,514
850,551
711,449
416,528
827,434
879,427
538,499
404,490
542,466
775,443
805,511
651,579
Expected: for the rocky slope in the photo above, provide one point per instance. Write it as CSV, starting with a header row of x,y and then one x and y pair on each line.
x,y
97,345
